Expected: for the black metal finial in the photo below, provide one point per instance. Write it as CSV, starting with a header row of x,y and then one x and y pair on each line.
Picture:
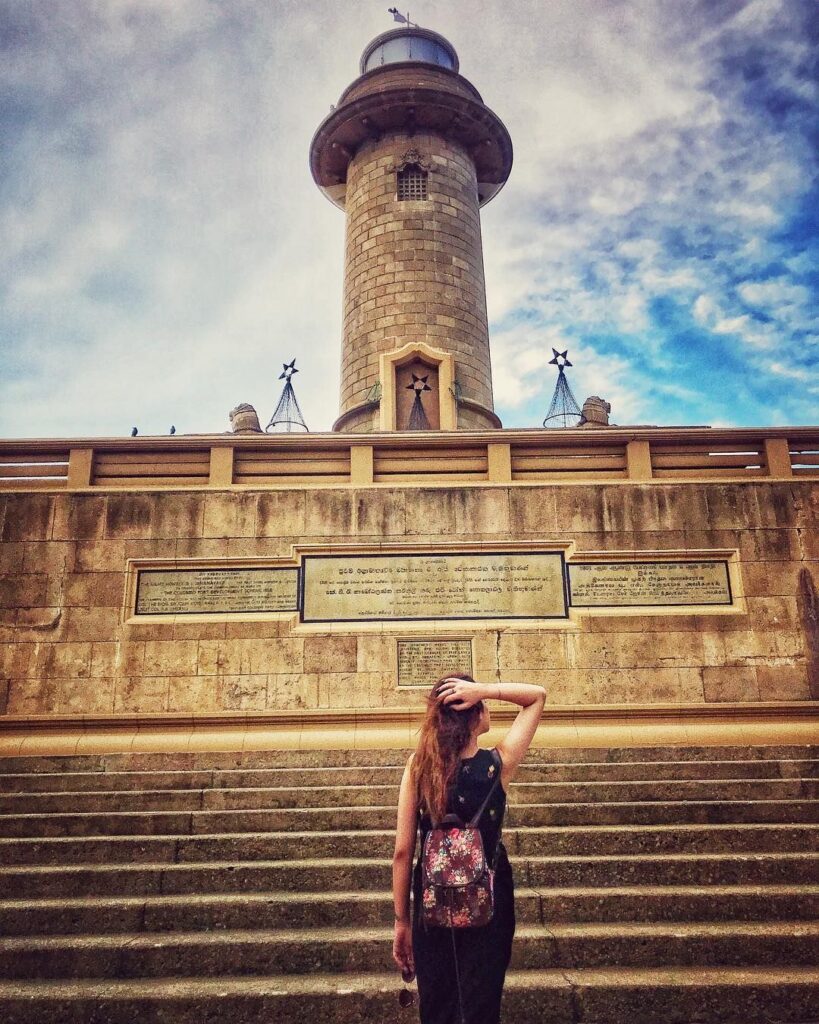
x,y
419,384
558,356
289,370
563,410
418,419
287,415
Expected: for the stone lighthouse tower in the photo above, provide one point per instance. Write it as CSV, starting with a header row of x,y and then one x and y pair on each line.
x,y
411,153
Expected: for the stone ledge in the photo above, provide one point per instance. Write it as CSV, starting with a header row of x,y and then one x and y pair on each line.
x,y
346,728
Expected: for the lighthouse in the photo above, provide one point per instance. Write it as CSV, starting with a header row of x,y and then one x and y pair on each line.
x,y
411,152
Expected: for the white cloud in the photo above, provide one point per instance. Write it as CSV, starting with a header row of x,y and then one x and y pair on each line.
x,y
773,293
793,372
165,249
756,213
705,310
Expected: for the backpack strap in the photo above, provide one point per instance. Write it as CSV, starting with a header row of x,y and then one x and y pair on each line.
x,y
496,761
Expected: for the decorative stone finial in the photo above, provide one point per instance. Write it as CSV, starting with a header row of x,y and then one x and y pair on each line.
x,y
595,412
243,420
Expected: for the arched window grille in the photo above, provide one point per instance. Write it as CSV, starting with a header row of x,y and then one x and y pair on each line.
x,y
412,182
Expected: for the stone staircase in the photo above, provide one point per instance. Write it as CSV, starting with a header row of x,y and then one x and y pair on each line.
x,y
654,886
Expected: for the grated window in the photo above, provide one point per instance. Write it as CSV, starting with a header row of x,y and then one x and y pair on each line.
x,y
412,183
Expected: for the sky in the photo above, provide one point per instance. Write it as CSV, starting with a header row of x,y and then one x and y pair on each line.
x,y
163,249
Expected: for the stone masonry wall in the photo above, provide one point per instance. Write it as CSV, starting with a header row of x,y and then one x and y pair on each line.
x,y
64,646
413,269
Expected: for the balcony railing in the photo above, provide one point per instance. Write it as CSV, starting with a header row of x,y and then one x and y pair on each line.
x,y
518,457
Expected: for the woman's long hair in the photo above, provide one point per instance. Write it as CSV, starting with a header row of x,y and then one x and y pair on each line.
x,y
444,734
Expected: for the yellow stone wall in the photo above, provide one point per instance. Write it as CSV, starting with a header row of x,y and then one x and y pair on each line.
x,y
414,269
65,646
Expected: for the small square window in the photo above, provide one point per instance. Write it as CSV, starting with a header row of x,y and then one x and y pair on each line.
x,y
412,183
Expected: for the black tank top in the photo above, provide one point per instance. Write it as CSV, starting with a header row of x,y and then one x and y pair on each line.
x,y
468,791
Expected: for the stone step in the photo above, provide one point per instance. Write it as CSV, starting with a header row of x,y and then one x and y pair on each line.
x,y
375,873
300,909
667,943
652,884
102,802
209,912
679,995
552,840
238,778
537,841
359,950
387,756
147,823
520,793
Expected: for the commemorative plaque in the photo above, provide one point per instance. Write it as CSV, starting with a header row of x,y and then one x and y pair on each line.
x,y
216,590
625,584
421,662
504,585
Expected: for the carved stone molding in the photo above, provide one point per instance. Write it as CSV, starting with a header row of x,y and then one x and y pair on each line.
x,y
412,157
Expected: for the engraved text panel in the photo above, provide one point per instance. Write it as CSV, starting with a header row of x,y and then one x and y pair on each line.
x,y
421,662
600,584
430,586
203,591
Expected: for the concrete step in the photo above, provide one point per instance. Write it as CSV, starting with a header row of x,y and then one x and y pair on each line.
x,y
755,995
102,802
550,840
249,760
302,909
520,793
156,914
665,944
364,873
359,950
99,781
652,884
147,823
669,869
261,778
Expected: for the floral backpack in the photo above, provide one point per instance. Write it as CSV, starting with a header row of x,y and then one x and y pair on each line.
x,y
457,882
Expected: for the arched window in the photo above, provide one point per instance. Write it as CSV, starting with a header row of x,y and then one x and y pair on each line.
x,y
412,182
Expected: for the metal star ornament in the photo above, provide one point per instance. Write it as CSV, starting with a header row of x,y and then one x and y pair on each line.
x,y
289,370
558,356
419,384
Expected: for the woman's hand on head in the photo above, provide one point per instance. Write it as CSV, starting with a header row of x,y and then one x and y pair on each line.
x,y
458,694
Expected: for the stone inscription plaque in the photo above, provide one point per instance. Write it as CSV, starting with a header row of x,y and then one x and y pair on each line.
x,y
433,586
198,591
618,585
421,662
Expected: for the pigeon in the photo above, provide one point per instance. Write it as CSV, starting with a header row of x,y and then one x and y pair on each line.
x,y
134,431
172,430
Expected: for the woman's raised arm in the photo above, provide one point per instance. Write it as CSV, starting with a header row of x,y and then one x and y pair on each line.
x,y
512,748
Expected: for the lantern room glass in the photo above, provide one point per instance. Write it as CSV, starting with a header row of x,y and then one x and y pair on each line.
x,y
409,47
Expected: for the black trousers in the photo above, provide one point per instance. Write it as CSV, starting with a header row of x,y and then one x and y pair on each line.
x,y
483,955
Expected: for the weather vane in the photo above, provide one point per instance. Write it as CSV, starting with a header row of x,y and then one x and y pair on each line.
x,y
418,418
563,410
402,19
287,415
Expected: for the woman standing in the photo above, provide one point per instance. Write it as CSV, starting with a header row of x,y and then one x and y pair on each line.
x,y
449,774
